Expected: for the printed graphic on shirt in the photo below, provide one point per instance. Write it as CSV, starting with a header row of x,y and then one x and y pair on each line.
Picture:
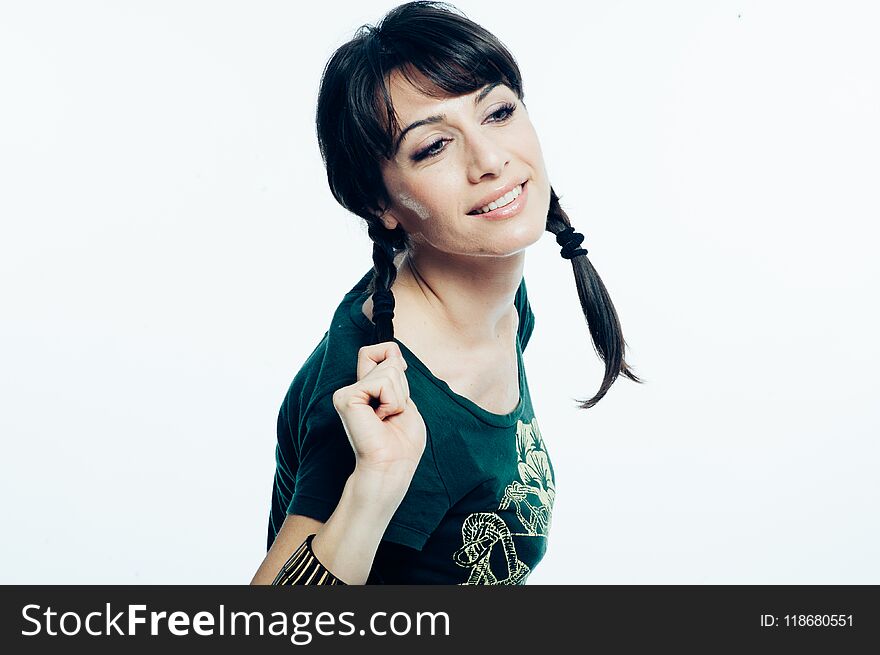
x,y
532,499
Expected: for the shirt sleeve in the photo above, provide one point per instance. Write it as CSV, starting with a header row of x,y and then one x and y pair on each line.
x,y
326,460
526,317
424,506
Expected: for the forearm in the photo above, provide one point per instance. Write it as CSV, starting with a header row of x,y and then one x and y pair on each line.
x,y
347,543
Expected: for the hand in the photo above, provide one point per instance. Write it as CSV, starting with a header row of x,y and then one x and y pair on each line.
x,y
382,422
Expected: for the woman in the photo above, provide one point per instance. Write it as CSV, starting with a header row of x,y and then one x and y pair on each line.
x,y
408,451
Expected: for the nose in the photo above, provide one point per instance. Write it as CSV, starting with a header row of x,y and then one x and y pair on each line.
x,y
488,157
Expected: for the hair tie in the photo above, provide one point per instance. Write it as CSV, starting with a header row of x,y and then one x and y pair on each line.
x,y
570,240
383,303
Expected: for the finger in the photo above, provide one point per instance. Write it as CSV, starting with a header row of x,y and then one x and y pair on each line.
x,y
377,391
396,399
405,384
371,356
395,365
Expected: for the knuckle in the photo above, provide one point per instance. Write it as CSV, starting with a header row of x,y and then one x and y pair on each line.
x,y
339,397
336,397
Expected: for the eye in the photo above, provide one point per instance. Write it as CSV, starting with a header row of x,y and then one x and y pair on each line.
x,y
500,115
504,112
430,151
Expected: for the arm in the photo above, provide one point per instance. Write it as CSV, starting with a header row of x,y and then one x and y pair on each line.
x,y
346,544
293,532
388,442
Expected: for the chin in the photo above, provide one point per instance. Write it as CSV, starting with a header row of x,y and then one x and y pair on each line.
x,y
518,243
536,228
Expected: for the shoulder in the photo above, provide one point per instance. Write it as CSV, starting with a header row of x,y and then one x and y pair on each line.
x,y
524,313
333,362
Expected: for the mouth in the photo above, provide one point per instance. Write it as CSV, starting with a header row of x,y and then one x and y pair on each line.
x,y
505,206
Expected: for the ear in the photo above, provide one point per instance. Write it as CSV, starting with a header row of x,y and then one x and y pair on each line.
x,y
389,220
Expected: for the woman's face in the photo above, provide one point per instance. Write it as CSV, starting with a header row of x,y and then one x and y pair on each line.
x,y
464,152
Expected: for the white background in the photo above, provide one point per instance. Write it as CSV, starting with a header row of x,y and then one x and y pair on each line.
x,y
170,254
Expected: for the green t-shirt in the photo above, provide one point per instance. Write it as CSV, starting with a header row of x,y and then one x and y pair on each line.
x,y
479,507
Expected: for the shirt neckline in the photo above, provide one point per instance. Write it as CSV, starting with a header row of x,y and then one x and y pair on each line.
x,y
360,320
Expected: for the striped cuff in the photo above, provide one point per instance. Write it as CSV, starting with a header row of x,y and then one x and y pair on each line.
x,y
303,568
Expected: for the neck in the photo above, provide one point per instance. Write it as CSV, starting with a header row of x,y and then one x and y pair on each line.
x,y
472,297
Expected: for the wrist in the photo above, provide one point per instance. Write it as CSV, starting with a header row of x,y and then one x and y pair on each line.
x,y
365,509
376,489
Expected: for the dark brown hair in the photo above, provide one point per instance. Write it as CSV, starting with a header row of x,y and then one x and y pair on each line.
x,y
356,125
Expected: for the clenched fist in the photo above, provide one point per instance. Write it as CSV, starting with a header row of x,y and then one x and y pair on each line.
x,y
382,422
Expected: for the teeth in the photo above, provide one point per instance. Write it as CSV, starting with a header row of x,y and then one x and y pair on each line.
x,y
506,199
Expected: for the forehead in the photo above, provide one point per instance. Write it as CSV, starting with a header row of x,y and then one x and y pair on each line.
x,y
413,92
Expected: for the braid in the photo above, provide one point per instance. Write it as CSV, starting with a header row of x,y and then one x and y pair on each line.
x,y
602,320
385,243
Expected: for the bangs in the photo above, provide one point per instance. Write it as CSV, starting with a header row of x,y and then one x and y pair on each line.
x,y
443,55
437,50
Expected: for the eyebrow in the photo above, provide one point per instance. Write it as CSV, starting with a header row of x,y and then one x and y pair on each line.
x,y
430,120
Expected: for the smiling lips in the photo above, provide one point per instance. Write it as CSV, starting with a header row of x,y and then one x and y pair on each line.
x,y
504,206
506,199
495,197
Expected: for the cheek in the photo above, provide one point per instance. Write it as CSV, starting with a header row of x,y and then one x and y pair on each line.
x,y
414,206
529,140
